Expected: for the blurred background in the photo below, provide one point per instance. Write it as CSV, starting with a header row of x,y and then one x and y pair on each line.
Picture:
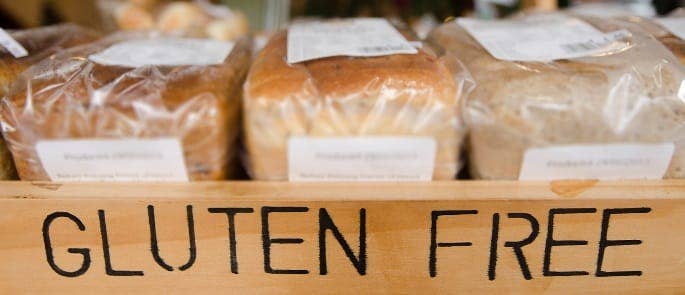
x,y
267,15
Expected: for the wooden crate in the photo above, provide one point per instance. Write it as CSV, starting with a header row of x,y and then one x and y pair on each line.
x,y
255,237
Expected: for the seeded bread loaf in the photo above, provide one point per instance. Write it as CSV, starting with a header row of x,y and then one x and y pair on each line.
x,y
40,43
626,96
395,95
72,97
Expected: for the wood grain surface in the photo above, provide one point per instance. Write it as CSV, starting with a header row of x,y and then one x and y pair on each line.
x,y
572,237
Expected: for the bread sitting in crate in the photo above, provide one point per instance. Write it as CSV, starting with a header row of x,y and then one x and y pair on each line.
x,y
127,87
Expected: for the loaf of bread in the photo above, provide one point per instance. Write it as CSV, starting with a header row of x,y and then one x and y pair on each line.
x,y
40,43
72,97
394,95
628,96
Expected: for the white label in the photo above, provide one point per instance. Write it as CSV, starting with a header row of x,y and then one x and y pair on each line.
x,y
12,45
129,160
543,38
603,162
361,159
349,37
675,25
164,52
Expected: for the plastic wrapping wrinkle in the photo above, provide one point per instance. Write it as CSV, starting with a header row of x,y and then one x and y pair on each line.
x,y
672,42
71,97
625,96
40,43
395,95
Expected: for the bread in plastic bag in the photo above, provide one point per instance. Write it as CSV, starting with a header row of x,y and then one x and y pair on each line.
x,y
72,97
629,96
7,170
672,42
395,95
40,43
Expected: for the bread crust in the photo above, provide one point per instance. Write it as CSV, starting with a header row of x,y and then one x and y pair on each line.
x,y
71,97
395,95
40,43
628,96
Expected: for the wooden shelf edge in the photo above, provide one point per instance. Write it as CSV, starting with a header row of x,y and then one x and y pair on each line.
x,y
285,191
621,237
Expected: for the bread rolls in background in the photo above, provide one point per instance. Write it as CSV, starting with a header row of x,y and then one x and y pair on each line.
x,y
229,28
630,96
133,17
40,44
197,19
183,17
72,97
146,4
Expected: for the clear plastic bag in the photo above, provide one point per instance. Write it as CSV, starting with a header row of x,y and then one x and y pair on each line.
x,y
71,97
672,42
395,95
626,96
198,19
40,44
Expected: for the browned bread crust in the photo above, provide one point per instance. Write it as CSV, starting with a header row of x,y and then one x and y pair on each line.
x,y
71,97
40,43
402,94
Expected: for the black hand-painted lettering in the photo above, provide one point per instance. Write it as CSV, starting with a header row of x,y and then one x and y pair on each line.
x,y
432,258
551,242
604,242
326,223
232,242
105,249
85,252
494,237
154,245
267,241
518,246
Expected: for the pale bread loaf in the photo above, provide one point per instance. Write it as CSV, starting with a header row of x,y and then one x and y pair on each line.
x,y
629,96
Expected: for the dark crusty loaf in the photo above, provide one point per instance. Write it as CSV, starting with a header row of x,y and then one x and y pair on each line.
x,y
40,44
71,97
628,96
395,95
